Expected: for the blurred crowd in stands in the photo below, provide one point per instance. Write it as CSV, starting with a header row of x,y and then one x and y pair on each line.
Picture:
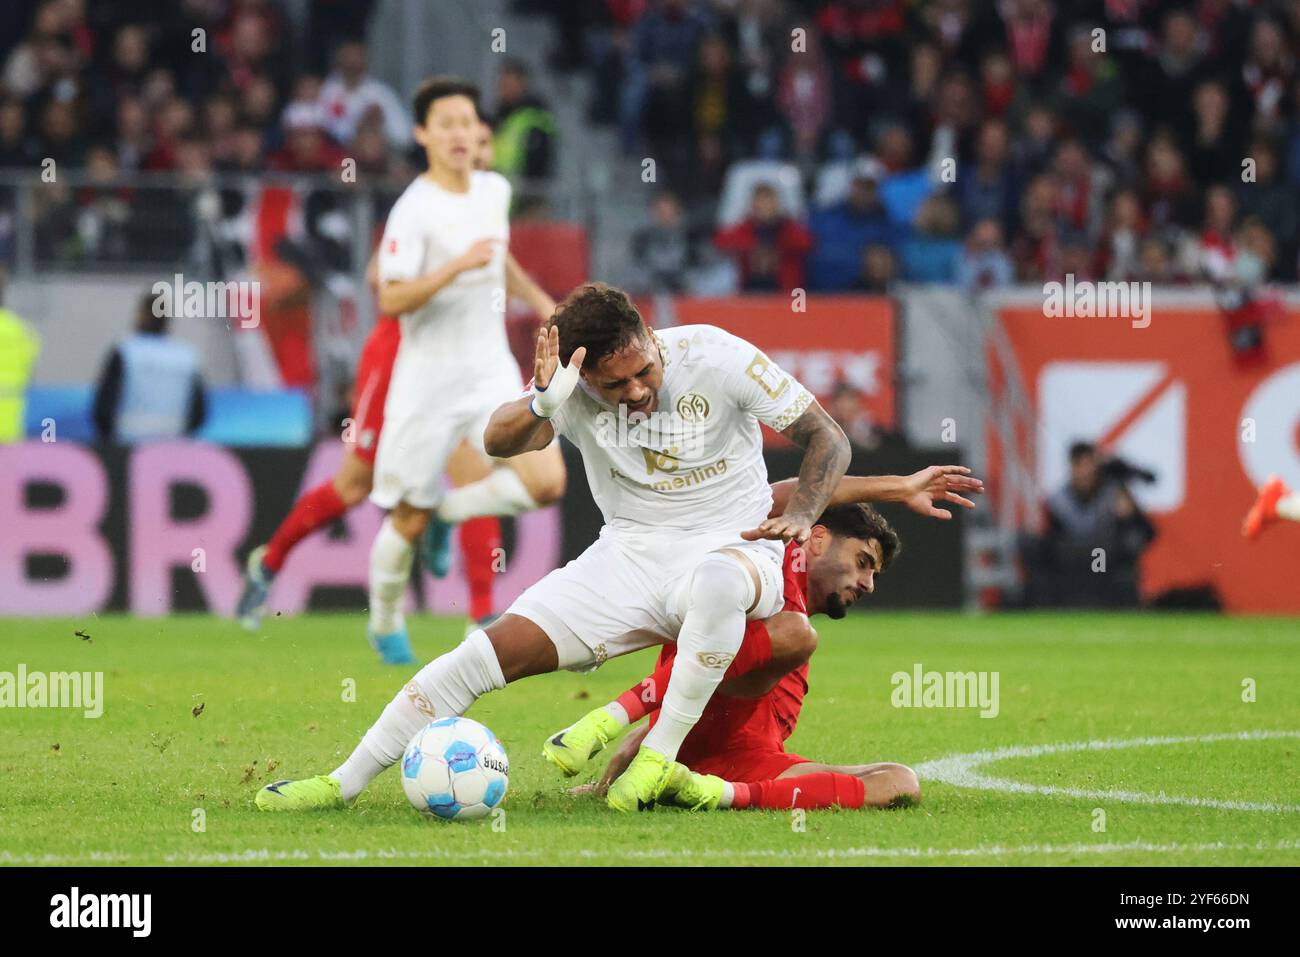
x,y
196,87
1109,139
831,145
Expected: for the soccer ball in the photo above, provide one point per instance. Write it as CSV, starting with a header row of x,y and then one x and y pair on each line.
x,y
456,769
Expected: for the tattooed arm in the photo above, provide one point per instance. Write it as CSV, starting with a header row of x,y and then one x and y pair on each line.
x,y
825,459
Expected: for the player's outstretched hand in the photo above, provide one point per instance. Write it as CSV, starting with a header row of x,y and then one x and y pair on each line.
x,y
789,528
552,382
941,483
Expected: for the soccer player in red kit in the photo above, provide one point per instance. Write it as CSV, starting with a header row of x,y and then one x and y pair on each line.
x,y
735,755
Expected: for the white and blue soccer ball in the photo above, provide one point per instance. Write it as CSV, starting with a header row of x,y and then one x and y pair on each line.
x,y
455,769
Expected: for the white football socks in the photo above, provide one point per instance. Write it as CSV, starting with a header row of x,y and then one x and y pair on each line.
x,y
712,631
445,687
390,571
619,713
1288,507
501,493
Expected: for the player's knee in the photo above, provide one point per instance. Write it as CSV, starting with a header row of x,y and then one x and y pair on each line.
x,y
409,522
902,785
353,489
805,642
719,582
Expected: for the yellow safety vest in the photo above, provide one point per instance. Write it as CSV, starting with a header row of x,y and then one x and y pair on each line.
x,y
19,348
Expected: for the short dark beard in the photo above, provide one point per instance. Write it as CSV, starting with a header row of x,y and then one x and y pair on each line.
x,y
835,607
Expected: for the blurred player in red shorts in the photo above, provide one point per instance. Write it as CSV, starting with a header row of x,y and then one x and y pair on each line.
x,y
735,755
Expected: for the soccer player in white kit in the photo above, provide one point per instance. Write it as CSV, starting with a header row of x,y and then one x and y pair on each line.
x,y
445,269
668,426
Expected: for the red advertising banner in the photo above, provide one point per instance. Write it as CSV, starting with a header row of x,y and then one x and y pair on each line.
x,y
835,339
1173,398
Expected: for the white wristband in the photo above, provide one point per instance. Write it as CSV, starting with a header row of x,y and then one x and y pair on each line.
x,y
546,402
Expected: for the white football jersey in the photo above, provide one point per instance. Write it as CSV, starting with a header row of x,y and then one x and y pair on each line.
x,y
695,466
462,327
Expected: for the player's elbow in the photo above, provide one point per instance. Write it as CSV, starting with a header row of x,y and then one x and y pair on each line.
x,y
497,441
391,301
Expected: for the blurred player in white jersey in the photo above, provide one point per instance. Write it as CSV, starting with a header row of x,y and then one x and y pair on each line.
x,y
351,485
445,270
668,427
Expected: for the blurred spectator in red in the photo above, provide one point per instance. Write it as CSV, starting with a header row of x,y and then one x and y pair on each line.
x,y
1032,37
997,83
1266,75
1035,250
307,148
1080,186
769,246
349,93
804,98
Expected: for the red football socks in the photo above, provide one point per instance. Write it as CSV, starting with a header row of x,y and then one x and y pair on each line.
x,y
810,791
479,540
316,509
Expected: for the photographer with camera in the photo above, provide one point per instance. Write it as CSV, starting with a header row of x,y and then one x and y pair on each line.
x,y
1093,510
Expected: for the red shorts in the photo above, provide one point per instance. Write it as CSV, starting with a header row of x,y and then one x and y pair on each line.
x,y
374,370
747,766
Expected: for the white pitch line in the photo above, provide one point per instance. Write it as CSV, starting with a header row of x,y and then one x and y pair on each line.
x,y
961,770
304,856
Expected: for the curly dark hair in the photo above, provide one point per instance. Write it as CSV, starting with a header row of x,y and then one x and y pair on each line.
x,y
435,88
599,317
860,520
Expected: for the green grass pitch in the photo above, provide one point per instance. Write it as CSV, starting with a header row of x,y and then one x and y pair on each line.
x,y
125,788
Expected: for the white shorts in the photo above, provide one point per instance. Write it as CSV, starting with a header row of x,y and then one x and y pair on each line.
x,y
423,426
612,600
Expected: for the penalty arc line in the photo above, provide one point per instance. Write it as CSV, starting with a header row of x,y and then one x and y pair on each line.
x,y
961,770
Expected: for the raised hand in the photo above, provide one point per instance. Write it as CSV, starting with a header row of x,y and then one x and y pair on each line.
x,y
547,371
940,483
